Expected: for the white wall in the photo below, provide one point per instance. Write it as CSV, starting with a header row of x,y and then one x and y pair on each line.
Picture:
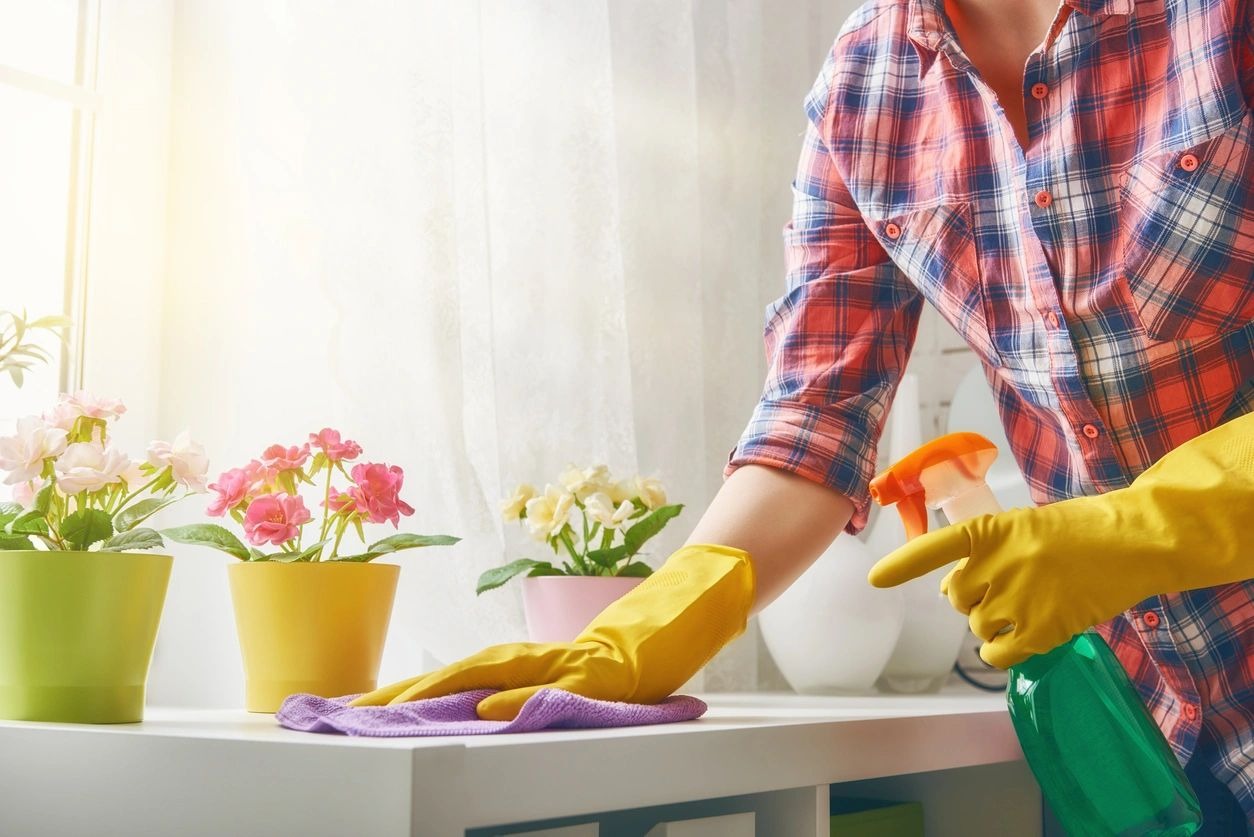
x,y
483,238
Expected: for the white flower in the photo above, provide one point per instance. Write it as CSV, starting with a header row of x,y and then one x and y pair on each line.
x,y
24,492
23,454
186,459
513,505
89,466
620,491
585,481
601,509
548,513
82,403
133,476
650,492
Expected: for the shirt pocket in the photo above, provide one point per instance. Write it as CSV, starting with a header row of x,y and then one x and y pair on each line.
x,y
1187,235
934,248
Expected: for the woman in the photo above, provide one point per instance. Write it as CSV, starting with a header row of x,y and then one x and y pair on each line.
x,y
1072,187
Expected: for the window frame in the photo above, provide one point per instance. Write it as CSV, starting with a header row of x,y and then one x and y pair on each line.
x,y
84,100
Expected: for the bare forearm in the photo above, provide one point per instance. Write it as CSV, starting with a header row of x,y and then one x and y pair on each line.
x,y
782,520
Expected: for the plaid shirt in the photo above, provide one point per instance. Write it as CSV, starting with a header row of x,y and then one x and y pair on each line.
x,y
1103,276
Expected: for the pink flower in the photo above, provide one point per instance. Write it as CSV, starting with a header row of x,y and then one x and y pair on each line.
x,y
376,491
232,488
82,403
186,460
259,477
328,441
279,458
274,519
24,492
339,500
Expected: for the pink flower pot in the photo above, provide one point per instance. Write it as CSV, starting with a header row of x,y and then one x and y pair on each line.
x,y
559,607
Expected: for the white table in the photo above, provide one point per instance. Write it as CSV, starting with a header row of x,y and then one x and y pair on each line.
x,y
195,772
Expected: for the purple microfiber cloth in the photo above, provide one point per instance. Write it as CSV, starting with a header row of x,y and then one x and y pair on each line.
x,y
455,714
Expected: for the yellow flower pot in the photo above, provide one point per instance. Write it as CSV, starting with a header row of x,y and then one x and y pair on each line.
x,y
310,627
77,631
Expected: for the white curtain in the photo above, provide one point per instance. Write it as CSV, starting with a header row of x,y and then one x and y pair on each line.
x,y
484,238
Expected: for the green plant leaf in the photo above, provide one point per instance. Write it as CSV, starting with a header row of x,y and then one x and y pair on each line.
x,y
608,557
16,542
133,539
255,554
285,557
164,480
27,523
310,552
130,516
42,501
544,568
208,534
495,577
319,462
636,537
396,543
86,526
11,510
637,569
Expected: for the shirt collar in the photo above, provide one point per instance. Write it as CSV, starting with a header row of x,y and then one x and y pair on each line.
x,y
928,29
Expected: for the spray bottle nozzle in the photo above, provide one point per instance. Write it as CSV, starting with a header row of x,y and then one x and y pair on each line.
x,y
932,476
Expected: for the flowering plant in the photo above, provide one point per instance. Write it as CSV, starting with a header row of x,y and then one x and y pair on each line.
x,y
73,490
262,497
580,519
18,353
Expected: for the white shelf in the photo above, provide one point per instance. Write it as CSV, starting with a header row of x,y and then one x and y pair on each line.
x,y
191,772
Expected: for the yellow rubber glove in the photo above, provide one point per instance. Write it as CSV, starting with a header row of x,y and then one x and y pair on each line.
x,y
640,649
1030,579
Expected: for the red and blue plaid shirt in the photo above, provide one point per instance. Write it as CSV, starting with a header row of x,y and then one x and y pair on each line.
x,y
1104,275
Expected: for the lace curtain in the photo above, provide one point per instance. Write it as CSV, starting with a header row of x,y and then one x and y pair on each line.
x,y
484,238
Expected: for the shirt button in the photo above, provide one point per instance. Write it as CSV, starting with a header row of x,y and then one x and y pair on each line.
x,y
1150,618
1188,162
1123,178
892,230
1043,198
1039,91
1090,431
1052,319
1190,711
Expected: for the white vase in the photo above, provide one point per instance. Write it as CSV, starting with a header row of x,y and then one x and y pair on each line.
x,y
831,632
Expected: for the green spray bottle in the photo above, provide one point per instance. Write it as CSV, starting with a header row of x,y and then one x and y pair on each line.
x,y
1101,761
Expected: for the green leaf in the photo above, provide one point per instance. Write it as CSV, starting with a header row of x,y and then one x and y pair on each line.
x,y
16,542
164,480
319,462
544,568
284,557
608,557
395,543
86,526
636,537
310,552
8,513
133,539
27,523
208,534
497,576
42,501
637,569
255,554
128,517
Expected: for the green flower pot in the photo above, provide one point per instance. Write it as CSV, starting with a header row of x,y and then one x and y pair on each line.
x,y
77,630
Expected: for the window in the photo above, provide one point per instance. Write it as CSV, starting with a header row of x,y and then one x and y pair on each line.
x,y
47,108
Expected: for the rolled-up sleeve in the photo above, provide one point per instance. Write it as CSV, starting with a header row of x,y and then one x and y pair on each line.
x,y
837,341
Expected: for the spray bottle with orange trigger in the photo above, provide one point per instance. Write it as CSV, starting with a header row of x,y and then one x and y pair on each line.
x,y
1101,761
